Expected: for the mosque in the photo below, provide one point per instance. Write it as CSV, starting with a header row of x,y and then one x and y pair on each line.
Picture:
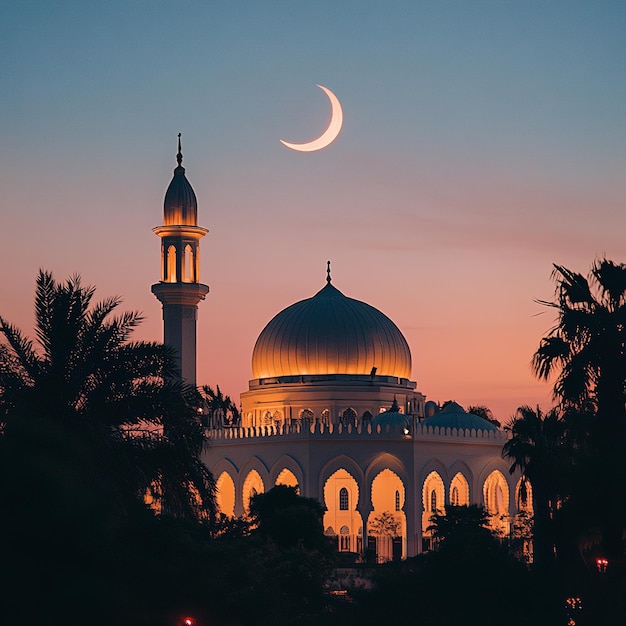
x,y
331,408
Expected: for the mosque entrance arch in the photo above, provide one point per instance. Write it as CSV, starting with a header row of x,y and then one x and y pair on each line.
x,y
387,521
342,520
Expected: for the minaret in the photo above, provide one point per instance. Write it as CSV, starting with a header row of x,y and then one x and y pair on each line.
x,y
180,289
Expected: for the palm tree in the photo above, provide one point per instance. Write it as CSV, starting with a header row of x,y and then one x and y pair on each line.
x,y
537,448
586,352
126,426
222,410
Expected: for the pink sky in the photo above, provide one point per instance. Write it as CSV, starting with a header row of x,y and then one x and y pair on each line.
x,y
481,143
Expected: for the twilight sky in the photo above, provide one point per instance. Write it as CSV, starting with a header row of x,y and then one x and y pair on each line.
x,y
482,141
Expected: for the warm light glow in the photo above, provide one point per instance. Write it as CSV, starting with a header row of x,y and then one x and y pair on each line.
x,y
225,494
341,494
602,564
330,134
252,485
287,477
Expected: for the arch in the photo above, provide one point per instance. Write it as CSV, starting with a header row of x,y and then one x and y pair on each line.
x,y
188,264
306,415
252,485
171,264
387,520
496,501
340,462
433,465
367,417
286,462
225,494
433,499
462,468
277,418
325,417
459,490
348,417
387,461
267,419
287,477
341,493
495,464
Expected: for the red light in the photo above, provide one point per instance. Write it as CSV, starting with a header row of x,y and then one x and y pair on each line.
x,y
188,621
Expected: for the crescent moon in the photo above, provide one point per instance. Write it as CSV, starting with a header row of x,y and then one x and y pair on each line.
x,y
330,134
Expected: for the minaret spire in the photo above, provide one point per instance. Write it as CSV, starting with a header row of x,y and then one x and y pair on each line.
x,y
328,279
180,289
179,156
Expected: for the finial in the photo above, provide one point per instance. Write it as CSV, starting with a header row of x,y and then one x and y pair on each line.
x,y
328,272
179,156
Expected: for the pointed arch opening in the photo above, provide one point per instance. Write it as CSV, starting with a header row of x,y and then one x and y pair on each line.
x,y
496,502
252,485
341,495
287,477
188,264
225,494
433,499
459,490
171,264
387,521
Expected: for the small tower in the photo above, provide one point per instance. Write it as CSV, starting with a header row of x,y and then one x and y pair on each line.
x,y
180,289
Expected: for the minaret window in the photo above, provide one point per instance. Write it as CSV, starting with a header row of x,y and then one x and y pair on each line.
x,y
187,264
397,500
171,265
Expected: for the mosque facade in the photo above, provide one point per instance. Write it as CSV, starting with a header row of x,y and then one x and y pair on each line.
x,y
332,410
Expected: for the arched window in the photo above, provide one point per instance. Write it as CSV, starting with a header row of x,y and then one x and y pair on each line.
x,y
267,419
397,500
187,264
171,265
348,416
307,414
367,417
278,417
343,499
325,416
433,501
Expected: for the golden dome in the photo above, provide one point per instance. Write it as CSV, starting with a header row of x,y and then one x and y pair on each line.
x,y
330,334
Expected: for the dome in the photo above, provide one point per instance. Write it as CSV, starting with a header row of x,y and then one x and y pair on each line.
x,y
392,417
455,416
331,334
180,207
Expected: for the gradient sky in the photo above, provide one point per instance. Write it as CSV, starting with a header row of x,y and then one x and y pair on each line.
x,y
482,142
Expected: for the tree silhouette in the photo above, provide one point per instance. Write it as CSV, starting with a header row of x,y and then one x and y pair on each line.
x,y
115,403
586,354
537,448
